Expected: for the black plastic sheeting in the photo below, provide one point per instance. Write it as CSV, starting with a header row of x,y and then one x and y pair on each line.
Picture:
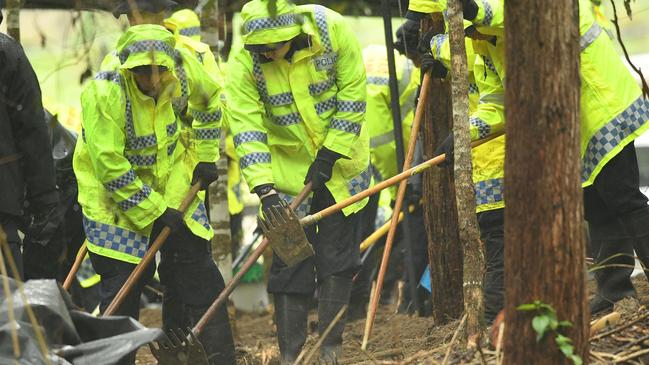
x,y
71,336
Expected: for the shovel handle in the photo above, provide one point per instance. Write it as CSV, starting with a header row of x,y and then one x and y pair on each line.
x,y
83,250
149,256
225,294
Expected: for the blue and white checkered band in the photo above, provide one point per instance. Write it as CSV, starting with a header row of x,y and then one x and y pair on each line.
x,y
490,65
250,136
380,140
132,141
172,128
320,87
141,160
182,77
205,117
488,13
121,181
484,129
323,29
611,134
146,46
473,88
200,216
378,80
115,238
135,199
360,182
325,105
437,42
285,20
112,76
207,133
287,119
254,158
345,126
350,106
86,271
200,56
259,77
303,209
377,175
489,191
589,37
190,31
280,99
171,148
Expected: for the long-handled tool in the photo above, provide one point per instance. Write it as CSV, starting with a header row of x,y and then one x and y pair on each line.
x,y
149,255
83,250
376,235
401,192
189,350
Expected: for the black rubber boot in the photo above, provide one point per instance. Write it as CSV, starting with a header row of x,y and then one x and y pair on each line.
x,y
333,294
637,224
291,311
612,248
216,337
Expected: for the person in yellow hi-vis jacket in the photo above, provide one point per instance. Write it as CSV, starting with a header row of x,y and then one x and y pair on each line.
x,y
613,114
134,169
296,93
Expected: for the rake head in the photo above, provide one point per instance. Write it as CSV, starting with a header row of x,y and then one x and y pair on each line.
x,y
285,233
179,349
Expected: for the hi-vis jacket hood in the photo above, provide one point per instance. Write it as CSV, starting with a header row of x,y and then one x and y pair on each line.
x,y
267,21
184,22
146,44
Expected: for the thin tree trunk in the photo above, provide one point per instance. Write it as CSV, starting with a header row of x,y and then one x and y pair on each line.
x,y
544,236
13,19
474,260
440,213
220,220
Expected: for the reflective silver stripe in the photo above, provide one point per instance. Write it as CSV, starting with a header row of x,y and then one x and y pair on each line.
x,y
488,13
132,141
141,160
254,158
147,46
280,99
350,106
382,139
121,181
112,76
172,128
360,182
207,117
207,133
405,75
484,129
589,37
251,136
323,106
377,80
288,119
190,31
437,42
611,135
115,238
135,199
274,22
489,191
473,88
303,209
345,126
493,98
320,87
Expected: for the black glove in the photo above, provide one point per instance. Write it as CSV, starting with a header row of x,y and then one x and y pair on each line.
x,y
172,218
436,67
469,9
43,224
206,172
424,43
447,148
320,170
270,201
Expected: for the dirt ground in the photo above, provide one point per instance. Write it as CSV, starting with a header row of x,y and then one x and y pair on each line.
x,y
403,339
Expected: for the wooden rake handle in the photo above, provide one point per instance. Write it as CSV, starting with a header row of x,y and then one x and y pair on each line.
x,y
83,250
150,255
225,294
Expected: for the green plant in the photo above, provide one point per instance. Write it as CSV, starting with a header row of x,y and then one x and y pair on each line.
x,y
546,321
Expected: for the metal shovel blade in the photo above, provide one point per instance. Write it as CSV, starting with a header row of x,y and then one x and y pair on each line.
x,y
179,349
283,230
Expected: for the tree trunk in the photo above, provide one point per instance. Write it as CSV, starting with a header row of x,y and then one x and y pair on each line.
x,y
474,260
544,242
440,214
220,220
13,19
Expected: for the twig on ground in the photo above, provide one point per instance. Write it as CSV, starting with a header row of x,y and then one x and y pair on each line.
x,y
324,335
632,356
452,343
617,329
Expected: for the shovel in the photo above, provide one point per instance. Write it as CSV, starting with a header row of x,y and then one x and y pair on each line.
x,y
184,348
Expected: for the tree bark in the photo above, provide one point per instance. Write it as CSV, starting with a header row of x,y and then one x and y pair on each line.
x,y
440,213
544,237
220,220
474,260
13,19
